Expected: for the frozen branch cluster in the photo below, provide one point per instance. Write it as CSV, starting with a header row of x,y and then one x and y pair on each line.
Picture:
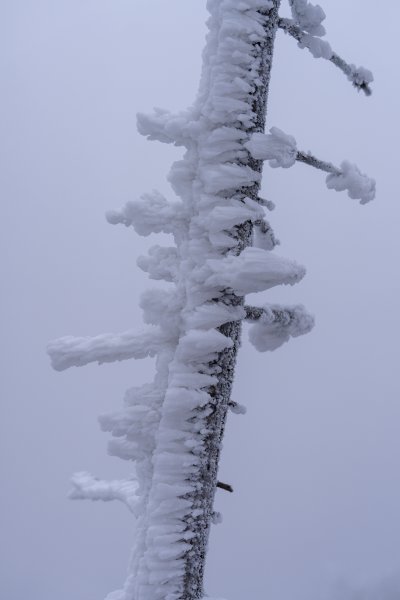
x,y
222,248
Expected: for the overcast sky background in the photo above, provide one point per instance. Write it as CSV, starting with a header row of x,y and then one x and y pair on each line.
x,y
315,462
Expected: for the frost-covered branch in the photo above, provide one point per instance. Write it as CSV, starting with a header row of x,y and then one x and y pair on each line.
x,y
312,161
72,351
87,487
280,149
274,324
359,76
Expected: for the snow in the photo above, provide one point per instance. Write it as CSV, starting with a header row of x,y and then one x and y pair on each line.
x,y
318,48
72,351
278,324
360,75
254,270
277,147
358,186
308,16
152,213
161,263
87,487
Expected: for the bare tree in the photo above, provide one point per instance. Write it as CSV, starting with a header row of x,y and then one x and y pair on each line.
x,y
223,250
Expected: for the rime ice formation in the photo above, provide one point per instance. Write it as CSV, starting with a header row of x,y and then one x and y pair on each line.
x,y
358,186
277,324
280,149
277,147
308,16
221,249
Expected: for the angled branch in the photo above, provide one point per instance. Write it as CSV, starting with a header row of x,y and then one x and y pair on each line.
x,y
312,161
360,77
72,351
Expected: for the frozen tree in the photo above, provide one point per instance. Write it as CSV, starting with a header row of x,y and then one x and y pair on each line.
x,y
223,248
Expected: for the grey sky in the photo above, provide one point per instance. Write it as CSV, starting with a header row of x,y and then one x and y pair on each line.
x,y
315,462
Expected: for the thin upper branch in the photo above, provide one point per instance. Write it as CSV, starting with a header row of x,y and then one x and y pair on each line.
x,y
354,75
312,161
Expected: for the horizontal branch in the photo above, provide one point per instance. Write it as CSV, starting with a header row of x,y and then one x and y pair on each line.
x,y
72,351
224,486
284,315
87,487
359,77
274,325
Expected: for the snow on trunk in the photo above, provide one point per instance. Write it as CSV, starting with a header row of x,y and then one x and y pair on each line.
x,y
215,180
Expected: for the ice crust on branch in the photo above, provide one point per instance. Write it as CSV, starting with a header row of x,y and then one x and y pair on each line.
x,y
308,16
164,126
277,324
152,213
254,270
72,351
358,186
277,147
87,487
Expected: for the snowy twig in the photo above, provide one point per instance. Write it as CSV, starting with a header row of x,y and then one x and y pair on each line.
x,y
359,77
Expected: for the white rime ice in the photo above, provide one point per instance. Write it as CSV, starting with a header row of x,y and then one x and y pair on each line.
x,y
171,429
87,487
308,16
72,351
277,325
358,186
277,147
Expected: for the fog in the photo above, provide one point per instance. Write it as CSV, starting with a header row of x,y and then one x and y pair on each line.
x,y
315,461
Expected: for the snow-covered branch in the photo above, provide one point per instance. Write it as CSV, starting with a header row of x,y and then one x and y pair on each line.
x,y
87,487
359,76
254,270
312,161
72,351
280,149
274,324
166,127
152,213
348,177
